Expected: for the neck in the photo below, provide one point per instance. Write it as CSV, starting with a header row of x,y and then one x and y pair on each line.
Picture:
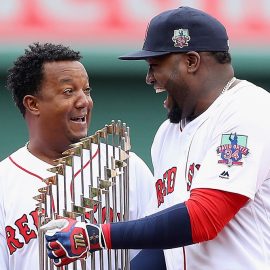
x,y
44,146
206,94
228,85
43,153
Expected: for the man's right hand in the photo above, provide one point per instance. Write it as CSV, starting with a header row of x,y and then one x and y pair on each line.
x,y
69,240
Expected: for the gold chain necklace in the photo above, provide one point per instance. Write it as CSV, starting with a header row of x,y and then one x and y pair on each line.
x,y
228,85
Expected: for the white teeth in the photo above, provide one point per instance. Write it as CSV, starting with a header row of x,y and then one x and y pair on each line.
x,y
160,90
79,119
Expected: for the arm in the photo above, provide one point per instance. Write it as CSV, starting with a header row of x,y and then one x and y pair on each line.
x,y
149,259
141,190
200,218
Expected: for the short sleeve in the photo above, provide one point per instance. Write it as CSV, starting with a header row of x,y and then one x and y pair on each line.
x,y
238,153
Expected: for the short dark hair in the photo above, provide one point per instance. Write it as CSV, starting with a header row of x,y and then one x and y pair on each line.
x,y
222,57
26,75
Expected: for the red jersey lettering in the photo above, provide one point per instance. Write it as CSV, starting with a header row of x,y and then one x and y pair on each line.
x,y
12,242
34,215
24,229
191,172
166,185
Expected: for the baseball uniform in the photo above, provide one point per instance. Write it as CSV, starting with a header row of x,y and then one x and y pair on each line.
x,y
226,148
21,176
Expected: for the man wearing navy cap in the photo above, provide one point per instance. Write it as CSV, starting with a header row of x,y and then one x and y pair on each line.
x,y
211,157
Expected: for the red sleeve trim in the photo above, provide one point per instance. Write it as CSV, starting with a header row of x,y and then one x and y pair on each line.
x,y
106,229
210,210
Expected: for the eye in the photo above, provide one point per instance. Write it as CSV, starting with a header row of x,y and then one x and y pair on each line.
x,y
68,91
87,91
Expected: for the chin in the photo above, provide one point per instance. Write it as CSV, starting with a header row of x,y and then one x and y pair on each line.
x,y
74,140
77,138
175,114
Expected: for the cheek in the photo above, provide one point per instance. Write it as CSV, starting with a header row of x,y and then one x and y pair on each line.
x,y
159,80
171,86
166,78
91,103
55,115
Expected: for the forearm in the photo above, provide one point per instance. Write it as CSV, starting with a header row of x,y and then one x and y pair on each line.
x,y
199,219
149,259
169,228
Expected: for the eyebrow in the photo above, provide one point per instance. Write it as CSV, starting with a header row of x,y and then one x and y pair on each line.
x,y
65,80
70,80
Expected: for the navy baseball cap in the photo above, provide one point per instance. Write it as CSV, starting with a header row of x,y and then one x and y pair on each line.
x,y
181,30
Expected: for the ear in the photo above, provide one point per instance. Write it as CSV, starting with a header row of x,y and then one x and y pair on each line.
x,y
31,104
193,61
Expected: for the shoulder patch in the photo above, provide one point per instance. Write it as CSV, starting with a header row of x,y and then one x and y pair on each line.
x,y
232,149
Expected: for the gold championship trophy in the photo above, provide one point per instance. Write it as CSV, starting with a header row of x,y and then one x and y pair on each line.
x,y
89,183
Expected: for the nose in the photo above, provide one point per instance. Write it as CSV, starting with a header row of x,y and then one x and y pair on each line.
x,y
149,77
84,100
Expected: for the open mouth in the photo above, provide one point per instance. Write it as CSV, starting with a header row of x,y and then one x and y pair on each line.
x,y
80,119
166,101
160,90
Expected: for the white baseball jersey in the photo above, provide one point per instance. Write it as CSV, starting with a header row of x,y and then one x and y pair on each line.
x,y
21,176
225,148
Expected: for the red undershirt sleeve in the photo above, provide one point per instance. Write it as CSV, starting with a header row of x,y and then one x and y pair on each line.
x,y
106,229
213,209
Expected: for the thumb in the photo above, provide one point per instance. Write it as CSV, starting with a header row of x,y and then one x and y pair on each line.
x,y
54,225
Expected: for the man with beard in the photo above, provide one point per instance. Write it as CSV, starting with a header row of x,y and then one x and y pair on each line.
x,y
211,157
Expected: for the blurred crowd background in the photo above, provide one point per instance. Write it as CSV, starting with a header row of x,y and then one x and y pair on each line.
x,y
104,29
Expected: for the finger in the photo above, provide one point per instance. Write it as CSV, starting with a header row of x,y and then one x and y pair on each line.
x,y
51,238
55,250
53,245
56,254
54,224
51,254
63,261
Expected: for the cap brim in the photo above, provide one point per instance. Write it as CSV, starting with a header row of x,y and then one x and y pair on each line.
x,y
139,55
